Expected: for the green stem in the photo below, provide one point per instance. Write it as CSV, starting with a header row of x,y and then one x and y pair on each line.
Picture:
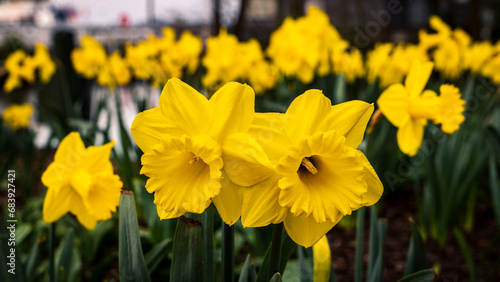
x,y
208,233
360,225
52,243
227,253
274,266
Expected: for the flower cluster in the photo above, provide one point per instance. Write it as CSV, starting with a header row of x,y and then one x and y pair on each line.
x,y
21,66
409,107
301,168
310,45
81,181
17,116
226,59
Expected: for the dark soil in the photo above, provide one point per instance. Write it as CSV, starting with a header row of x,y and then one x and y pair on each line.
x,y
483,242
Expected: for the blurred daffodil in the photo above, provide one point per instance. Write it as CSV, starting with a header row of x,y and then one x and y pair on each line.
x,y
44,62
90,58
17,116
303,167
409,107
81,181
182,142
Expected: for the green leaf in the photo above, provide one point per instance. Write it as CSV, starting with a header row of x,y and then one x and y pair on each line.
x,y
64,259
464,247
156,254
358,265
421,276
288,246
5,253
245,271
495,188
131,259
416,259
276,277
339,93
187,261
31,263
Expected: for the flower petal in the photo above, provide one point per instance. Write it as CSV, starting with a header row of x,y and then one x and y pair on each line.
x,y
104,196
375,187
410,136
393,103
349,119
56,204
149,126
260,204
268,130
233,110
417,77
307,112
78,208
245,161
229,201
71,151
304,230
185,107
96,159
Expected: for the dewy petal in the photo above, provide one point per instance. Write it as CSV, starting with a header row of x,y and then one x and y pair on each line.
x,y
56,203
375,187
349,119
410,136
305,231
185,107
333,190
268,130
393,103
184,173
417,77
245,161
149,126
228,202
260,204
306,113
104,196
233,110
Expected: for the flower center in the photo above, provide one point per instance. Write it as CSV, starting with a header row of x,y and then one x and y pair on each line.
x,y
193,160
306,164
81,181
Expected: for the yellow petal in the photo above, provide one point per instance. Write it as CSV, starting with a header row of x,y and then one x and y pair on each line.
x,y
410,136
375,187
349,119
167,215
184,173
57,204
229,201
71,151
78,208
393,103
96,159
233,110
81,181
268,130
148,127
56,176
260,204
245,161
304,230
185,107
306,113
322,258
104,196
417,77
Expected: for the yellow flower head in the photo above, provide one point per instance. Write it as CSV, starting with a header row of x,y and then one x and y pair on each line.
x,y
89,59
17,116
114,72
182,141
43,62
81,181
14,66
409,107
477,56
303,167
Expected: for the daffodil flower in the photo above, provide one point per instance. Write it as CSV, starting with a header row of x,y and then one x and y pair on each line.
x,y
409,107
182,144
302,167
17,116
81,181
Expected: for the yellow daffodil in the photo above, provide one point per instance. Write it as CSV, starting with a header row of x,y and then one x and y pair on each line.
x,y
322,259
409,107
350,64
182,144
81,181
17,116
44,62
477,56
90,58
13,65
303,167
114,72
